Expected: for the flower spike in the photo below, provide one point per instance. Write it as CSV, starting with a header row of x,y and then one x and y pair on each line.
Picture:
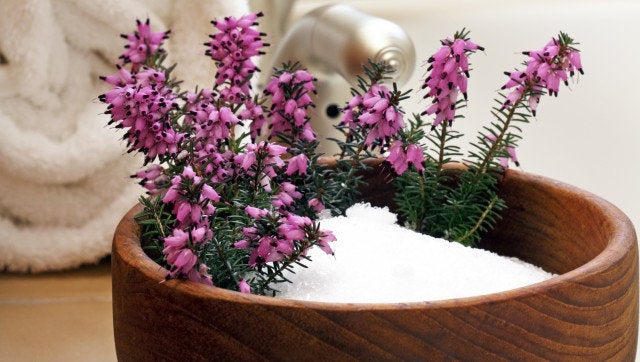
x,y
448,77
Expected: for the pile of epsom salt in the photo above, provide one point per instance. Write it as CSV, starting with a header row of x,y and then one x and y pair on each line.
x,y
378,261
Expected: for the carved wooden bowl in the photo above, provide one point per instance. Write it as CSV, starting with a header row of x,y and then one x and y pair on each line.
x,y
589,312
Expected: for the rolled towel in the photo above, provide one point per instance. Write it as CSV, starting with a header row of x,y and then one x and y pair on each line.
x,y
64,174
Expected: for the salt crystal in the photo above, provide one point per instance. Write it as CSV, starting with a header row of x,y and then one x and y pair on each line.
x,y
378,261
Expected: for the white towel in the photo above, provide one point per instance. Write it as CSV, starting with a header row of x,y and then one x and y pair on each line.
x,y
64,175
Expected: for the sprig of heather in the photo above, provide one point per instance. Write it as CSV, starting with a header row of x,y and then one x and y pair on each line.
x,y
275,235
461,210
143,105
142,45
232,49
193,205
545,68
424,192
496,145
427,197
205,180
449,70
373,117
289,91
278,240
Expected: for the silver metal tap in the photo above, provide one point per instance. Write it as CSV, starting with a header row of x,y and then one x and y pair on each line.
x,y
333,42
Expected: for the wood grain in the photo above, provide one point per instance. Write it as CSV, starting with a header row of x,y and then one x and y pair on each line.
x,y
589,312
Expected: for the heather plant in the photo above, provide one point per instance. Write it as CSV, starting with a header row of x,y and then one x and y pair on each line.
x,y
224,207
235,185
460,204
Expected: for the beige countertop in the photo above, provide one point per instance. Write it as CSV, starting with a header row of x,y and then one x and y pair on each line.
x,y
61,316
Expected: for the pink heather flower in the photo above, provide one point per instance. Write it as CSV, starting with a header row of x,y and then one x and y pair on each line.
x,y
146,77
149,76
152,178
244,287
246,160
297,164
143,109
264,155
183,262
242,244
177,240
142,44
512,155
181,193
200,275
397,158
232,48
316,205
400,156
274,151
180,258
254,113
286,196
198,106
325,238
290,101
545,69
375,113
263,248
215,165
199,234
270,249
255,212
511,151
250,232
214,125
415,155
150,173
269,152
350,113
209,193
448,77
294,227
121,79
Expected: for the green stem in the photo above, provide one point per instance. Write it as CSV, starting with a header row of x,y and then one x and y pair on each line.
x,y
443,139
480,221
285,264
496,144
223,257
422,212
356,158
156,217
256,179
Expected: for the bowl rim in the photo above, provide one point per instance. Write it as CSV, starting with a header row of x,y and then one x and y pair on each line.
x,y
126,244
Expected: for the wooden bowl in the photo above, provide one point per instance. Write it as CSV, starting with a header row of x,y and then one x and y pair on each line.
x,y
589,312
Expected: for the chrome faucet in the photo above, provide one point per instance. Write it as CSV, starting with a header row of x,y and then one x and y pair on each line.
x,y
333,42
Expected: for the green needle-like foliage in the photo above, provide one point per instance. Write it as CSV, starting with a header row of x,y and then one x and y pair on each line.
x,y
461,203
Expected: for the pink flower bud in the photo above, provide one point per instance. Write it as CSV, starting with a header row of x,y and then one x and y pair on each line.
x,y
242,244
244,287
210,193
255,212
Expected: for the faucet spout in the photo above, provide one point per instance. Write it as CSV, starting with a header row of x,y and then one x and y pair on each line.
x,y
333,42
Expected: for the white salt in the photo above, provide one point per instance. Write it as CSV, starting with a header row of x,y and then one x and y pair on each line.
x,y
378,261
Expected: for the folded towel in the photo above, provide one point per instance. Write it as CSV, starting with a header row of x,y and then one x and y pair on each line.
x,y
64,174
